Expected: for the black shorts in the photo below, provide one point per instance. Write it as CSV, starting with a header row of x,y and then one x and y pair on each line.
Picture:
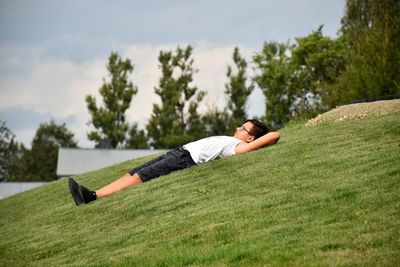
x,y
173,160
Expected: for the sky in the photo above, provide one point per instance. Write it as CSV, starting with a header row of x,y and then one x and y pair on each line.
x,y
53,53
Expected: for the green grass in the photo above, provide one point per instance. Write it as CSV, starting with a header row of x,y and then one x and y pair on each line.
x,y
326,195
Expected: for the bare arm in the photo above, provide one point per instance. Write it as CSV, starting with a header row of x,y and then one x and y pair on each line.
x,y
265,140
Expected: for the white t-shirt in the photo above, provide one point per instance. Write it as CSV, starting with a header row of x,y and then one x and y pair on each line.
x,y
210,148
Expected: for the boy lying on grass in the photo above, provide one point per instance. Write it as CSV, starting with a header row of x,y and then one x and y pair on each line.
x,y
252,135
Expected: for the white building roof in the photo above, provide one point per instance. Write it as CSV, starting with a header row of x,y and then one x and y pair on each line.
x,y
73,161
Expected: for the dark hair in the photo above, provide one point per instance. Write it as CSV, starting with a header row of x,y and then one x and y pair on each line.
x,y
259,128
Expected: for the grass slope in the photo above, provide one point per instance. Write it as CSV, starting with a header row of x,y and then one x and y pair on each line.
x,y
325,195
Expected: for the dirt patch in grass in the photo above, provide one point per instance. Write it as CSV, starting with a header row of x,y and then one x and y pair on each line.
x,y
357,111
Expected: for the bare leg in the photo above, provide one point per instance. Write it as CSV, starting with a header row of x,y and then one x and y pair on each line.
x,y
116,186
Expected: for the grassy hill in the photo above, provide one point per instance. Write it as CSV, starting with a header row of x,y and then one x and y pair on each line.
x,y
325,195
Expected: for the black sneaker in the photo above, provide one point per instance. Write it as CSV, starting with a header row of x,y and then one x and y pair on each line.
x,y
87,195
76,191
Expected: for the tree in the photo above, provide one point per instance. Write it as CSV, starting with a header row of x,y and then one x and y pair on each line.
x,y
6,138
274,71
237,90
40,162
175,120
109,121
372,30
137,138
215,123
317,62
298,80
9,152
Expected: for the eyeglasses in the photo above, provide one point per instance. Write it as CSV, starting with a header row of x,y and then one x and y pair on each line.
x,y
242,128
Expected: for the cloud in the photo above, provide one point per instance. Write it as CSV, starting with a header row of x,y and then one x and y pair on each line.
x,y
57,87
46,88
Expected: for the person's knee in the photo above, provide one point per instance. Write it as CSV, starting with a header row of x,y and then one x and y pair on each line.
x,y
136,178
